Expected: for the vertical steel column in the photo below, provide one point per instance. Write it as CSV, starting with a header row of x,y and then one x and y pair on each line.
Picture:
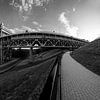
x,y
31,53
1,55
1,51
10,56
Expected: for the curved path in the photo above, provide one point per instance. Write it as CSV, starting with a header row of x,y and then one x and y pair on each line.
x,y
78,83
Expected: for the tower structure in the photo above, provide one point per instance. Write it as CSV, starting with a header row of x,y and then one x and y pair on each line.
x,y
3,51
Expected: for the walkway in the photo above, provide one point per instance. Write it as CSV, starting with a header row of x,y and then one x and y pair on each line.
x,y
77,82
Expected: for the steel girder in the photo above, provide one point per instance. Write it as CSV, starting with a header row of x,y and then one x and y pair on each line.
x,y
35,40
41,43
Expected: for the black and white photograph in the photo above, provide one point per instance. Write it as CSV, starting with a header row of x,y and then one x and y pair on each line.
x,y
49,49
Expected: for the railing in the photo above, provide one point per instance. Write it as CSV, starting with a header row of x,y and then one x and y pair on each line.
x,y
56,85
52,89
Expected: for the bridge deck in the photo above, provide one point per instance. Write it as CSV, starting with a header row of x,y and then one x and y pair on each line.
x,y
78,83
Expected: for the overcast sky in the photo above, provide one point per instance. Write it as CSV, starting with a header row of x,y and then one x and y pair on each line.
x,y
78,18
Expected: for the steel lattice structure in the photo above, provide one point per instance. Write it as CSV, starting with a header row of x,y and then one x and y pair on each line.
x,y
36,39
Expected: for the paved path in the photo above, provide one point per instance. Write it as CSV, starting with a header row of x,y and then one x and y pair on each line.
x,y
77,82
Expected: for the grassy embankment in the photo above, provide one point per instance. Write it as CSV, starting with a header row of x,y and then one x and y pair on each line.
x,y
89,56
26,83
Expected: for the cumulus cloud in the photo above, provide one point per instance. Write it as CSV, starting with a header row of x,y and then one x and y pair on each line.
x,y
28,29
37,24
12,31
25,6
89,36
70,29
22,29
17,30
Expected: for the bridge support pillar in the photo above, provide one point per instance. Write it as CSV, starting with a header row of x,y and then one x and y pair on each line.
x,y
9,53
5,54
1,55
31,53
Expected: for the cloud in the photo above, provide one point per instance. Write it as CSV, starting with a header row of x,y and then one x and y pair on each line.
x,y
24,7
63,19
37,24
22,29
12,31
89,36
74,9
17,30
25,18
72,30
28,28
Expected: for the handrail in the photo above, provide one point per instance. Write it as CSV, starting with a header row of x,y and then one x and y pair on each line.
x,y
56,85
54,82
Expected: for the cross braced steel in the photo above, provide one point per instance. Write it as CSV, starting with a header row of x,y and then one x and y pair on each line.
x,y
30,40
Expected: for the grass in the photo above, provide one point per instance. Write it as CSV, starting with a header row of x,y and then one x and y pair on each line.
x,y
4,66
25,84
89,56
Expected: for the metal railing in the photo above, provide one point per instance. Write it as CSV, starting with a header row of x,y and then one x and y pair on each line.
x,y
52,88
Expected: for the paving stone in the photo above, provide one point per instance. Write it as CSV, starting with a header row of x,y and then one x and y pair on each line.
x,y
77,82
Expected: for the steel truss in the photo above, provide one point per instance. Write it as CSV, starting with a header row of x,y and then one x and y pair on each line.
x,y
30,40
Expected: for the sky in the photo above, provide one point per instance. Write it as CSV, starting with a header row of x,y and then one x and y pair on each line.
x,y
77,18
